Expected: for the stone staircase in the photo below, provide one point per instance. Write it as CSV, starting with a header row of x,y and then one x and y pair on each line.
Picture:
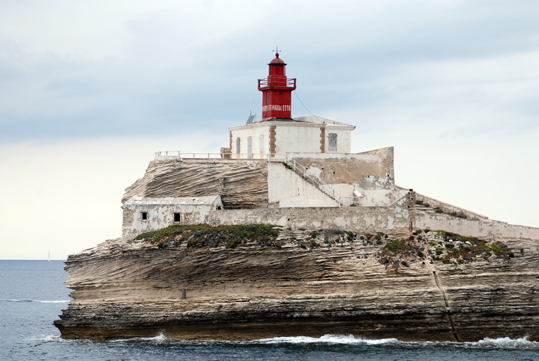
x,y
315,181
423,209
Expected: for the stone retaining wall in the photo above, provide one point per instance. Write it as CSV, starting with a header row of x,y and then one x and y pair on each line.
x,y
482,228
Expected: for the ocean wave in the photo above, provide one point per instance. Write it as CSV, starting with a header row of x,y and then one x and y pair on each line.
x,y
503,343
38,301
156,339
506,343
328,339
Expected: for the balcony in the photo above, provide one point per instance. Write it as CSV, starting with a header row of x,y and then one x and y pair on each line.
x,y
277,83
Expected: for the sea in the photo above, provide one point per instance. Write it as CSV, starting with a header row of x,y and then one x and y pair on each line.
x,y
33,294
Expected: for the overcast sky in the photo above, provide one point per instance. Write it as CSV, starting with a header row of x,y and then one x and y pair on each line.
x,y
89,90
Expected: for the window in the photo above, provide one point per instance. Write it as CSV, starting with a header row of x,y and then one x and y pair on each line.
x,y
144,216
261,143
250,147
332,146
177,217
238,145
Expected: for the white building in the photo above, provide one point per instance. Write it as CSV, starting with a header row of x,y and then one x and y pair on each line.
x,y
276,137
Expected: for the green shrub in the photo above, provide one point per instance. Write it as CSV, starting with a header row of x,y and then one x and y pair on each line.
x,y
287,165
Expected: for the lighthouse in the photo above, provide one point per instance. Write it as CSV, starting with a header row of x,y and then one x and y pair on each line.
x,y
277,91
277,134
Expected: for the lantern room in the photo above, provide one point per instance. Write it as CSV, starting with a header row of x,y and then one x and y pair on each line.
x,y
276,91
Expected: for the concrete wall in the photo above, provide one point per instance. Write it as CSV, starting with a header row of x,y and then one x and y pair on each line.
x,y
365,179
446,207
287,189
481,228
297,137
370,170
159,216
301,137
377,198
343,139
357,219
254,131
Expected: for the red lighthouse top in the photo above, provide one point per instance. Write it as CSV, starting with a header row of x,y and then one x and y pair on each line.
x,y
276,91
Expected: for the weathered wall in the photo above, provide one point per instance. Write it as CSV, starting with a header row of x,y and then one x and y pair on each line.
x,y
290,136
343,139
240,183
160,213
359,219
446,207
371,170
287,189
297,137
254,131
481,228
377,198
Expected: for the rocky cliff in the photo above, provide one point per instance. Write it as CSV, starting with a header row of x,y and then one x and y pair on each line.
x,y
240,183
240,285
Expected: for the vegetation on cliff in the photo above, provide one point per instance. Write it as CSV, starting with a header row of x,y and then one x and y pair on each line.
x,y
205,235
392,251
441,246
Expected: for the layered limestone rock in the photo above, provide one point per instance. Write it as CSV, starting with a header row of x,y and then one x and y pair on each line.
x,y
305,283
241,184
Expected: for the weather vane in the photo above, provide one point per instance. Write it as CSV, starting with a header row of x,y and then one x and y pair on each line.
x,y
276,50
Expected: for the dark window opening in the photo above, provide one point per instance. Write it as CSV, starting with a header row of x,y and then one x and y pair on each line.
x,y
218,208
332,142
144,216
177,217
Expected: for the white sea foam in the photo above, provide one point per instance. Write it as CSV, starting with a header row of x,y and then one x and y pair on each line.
x,y
329,339
156,339
39,301
507,343
51,338
498,343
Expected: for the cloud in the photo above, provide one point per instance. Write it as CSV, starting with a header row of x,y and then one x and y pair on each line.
x,y
89,90
100,69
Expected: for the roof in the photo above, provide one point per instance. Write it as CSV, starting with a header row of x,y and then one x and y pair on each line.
x,y
277,60
319,120
208,200
313,120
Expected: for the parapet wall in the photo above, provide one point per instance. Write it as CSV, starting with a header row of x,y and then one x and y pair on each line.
x,y
481,228
446,207
358,219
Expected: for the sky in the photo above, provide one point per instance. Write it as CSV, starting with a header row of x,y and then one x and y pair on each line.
x,y
90,90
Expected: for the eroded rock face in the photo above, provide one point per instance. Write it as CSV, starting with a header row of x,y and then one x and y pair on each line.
x,y
241,184
339,286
